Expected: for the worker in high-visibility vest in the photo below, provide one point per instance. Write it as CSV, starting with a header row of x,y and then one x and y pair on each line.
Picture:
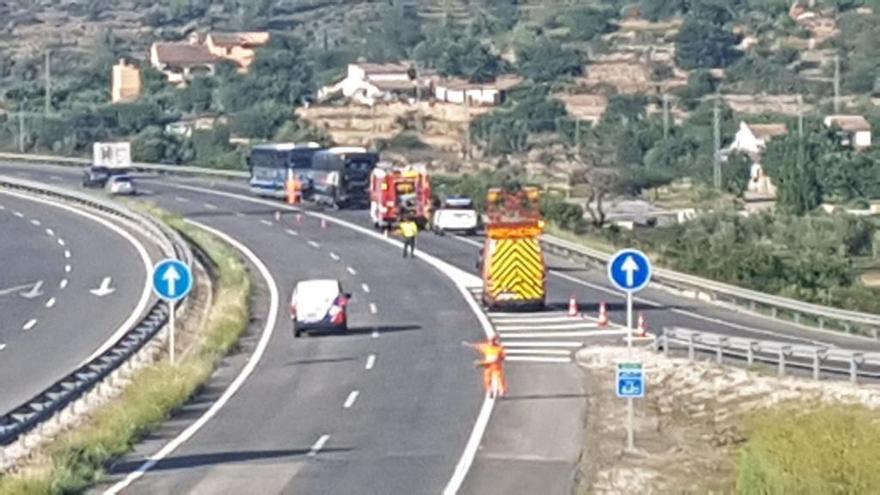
x,y
294,190
409,230
493,364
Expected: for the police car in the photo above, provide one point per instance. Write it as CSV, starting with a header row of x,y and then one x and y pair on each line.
x,y
319,304
456,214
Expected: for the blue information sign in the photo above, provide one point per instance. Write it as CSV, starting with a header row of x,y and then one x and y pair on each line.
x,y
629,270
172,279
630,380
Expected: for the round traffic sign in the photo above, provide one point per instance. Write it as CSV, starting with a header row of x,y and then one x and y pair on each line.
x,y
172,279
629,270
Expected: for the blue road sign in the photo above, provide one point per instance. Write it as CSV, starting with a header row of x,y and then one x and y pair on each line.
x,y
629,270
630,380
172,279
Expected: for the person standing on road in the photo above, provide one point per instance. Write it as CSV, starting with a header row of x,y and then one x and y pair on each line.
x,y
409,230
493,364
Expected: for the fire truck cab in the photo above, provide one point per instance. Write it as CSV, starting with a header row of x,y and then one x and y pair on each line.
x,y
396,193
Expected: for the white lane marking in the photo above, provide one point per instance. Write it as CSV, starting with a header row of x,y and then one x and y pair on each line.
x,y
266,222
67,253
35,222
67,268
50,302
63,283
334,256
373,308
234,386
29,325
50,232
349,401
538,359
573,333
371,361
292,232
2,207
532,328
462,280
18,214
181,200
375,333
318,445
2,346
545,352
61,242
366,288
56,178
240,214
351,270
544,343
548,319
34,289
210,206
314,244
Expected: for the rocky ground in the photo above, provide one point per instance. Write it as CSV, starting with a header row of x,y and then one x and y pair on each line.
x,y
689,426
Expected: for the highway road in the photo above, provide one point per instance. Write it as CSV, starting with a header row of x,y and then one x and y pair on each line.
x,y
68,283
412,395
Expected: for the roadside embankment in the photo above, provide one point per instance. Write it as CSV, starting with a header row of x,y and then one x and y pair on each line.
x,y
75,459
705,428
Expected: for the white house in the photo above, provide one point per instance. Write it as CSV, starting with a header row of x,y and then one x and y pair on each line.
x,y
854,129
753,138
463,92
366,83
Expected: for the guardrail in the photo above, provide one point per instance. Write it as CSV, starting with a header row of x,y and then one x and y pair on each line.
x,y
798,312
79,382
777,307
782,354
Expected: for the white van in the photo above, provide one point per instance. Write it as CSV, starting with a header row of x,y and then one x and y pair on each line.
x,y
319,304
457,214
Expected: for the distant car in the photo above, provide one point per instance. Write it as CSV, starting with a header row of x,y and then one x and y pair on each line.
x,y
456,214
319,304
121,184
96,177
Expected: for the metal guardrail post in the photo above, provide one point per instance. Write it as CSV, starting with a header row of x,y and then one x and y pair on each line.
x,y
821,323
690,347
816,369
665,338
797,318
783,350
719,353
750,353
854,362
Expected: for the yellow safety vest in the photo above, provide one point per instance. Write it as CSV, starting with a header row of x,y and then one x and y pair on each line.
x,y
409,229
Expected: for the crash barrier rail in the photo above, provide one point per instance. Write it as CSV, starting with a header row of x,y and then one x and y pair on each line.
x,y
80,381
784,355
777,307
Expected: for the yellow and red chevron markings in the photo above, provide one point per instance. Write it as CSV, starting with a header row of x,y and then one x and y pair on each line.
x,y
516,267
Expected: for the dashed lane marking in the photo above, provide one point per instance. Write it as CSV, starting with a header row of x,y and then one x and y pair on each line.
x,y
266,223
63,283
318,445
371,361
334,256
61,242
375,333
67,268
50,302
373,308
29,325
314,244
18,214
181,200
292,232
35,222
67,253
366,288
210,206
351,270
50,232
349,401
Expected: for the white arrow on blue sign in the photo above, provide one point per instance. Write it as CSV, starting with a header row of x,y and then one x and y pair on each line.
x,y
629,270
172,279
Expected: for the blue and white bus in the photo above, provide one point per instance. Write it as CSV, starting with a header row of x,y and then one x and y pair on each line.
x,y
272,164
341,176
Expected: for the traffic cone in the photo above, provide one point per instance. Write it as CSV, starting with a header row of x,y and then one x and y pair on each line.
x,y
643,326
603,315
572,306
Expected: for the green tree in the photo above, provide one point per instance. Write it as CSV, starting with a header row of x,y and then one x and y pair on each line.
x,y
703,44
260,121
281,73
198,96
459,56
547,60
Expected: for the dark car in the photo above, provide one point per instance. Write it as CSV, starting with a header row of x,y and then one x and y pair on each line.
x,y
97,175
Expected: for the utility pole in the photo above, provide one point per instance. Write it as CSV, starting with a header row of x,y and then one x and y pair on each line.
x,y
800,110
48,102
716,115
665,116
20,129
577,136
837,83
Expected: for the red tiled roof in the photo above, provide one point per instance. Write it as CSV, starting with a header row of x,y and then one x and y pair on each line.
x,y
183,54
766,131
228,40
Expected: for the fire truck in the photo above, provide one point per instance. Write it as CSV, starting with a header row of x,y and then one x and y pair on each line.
x,y
512,260
396,193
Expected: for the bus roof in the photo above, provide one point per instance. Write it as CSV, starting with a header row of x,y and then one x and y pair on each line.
x,y
346,149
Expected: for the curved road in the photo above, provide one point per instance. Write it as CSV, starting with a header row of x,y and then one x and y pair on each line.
x,y
53,262
391,414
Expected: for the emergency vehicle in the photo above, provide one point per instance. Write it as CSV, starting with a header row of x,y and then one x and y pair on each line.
x,y
398,192
512,261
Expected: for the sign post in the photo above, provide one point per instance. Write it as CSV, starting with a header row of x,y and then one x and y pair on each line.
x,y
630,385
630,271
172,281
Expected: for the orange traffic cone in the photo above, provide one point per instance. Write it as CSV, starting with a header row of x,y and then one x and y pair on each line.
x,y
642,330
572,306
603,315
